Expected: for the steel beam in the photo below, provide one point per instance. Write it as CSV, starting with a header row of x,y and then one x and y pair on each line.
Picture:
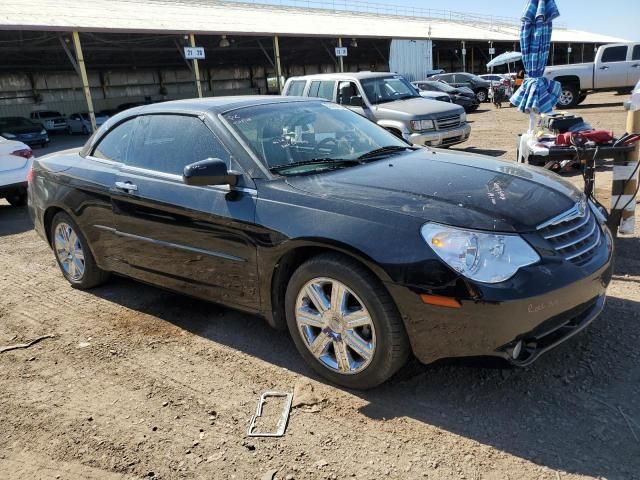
x,y
276,51
84,78
196,70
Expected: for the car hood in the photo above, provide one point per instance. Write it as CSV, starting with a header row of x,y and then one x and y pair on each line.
x,y
418,107
20,129
458,189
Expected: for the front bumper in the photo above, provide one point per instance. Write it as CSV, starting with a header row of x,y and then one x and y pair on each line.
x,y
438,138
497,320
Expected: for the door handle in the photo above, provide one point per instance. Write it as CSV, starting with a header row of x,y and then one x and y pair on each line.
x,y
604,68
126,186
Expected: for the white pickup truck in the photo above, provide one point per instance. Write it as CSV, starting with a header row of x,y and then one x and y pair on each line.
x,y
616,67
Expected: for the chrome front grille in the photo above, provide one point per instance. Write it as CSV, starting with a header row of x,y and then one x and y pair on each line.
x,y
451,121
575,234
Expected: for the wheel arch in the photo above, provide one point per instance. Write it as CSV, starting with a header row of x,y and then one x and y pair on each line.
x,y
568,80
288,262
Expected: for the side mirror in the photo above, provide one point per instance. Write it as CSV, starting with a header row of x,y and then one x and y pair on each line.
x,y
211,171
356,101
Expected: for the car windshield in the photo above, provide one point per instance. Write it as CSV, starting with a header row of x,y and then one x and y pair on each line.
x,y
15,122
387,89
307,137
49,114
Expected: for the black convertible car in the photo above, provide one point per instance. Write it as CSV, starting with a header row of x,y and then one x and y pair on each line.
x,y
364,247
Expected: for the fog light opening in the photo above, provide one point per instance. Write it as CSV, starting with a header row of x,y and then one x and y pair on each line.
x,y
514,352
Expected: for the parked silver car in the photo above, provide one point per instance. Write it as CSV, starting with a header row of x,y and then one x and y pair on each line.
x,y
389,100
80,122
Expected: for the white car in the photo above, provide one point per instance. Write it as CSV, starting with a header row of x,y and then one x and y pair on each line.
x,y
80,123
496,80
16,159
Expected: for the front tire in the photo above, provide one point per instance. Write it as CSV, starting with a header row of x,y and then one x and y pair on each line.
x,y
344,323
569,96
73,255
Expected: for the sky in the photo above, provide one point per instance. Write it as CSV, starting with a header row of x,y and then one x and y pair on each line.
x,y
619,18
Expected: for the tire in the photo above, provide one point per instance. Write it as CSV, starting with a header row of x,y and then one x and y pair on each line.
x,y
17,199
379,335
471,109
569,96
81,274
581,98
482,94
85,130
69,130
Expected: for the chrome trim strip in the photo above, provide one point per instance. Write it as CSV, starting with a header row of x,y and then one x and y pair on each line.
x,y
569,230
171,245
588,249
578,240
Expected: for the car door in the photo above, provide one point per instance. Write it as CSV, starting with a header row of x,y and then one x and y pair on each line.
x,y
189,238
633,72
611,71
93,180
347,94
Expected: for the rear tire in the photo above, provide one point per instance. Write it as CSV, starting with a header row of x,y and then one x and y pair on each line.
x,y
73,254
359,338
17,199
482,94
569,96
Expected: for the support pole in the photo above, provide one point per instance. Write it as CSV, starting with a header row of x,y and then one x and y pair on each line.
x,y
473,60
627,200
340,59
464,56
276,51
196,70
85,79
491,53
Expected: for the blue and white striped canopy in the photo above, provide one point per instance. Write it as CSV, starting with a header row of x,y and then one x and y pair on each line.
x,y
537,94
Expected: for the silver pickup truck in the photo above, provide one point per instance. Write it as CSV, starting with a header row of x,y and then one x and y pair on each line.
x,y
616,67
389,100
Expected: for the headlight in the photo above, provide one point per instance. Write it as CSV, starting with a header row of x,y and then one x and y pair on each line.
x,y
8,135
483,257
419,125
463,117
43,132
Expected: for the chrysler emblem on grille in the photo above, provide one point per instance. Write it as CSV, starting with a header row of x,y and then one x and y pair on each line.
x,y
578,210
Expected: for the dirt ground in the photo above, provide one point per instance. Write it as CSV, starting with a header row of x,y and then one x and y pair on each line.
x,y
138,382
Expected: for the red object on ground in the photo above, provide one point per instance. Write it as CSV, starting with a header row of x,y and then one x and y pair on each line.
x,y
598,136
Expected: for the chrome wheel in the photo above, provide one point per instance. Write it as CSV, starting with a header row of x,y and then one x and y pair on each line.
x,y
481,96
566,98
335,325
69,251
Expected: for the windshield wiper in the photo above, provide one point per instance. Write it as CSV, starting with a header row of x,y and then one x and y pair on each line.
x,y
384,150
334,162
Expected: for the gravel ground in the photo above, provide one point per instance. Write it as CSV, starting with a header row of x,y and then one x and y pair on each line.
x,y
138,382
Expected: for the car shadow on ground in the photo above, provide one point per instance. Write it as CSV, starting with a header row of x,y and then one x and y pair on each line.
x,y
577,409
13,220
585,106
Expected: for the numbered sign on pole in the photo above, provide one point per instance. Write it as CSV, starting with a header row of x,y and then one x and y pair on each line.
x,y
194,53
341,51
